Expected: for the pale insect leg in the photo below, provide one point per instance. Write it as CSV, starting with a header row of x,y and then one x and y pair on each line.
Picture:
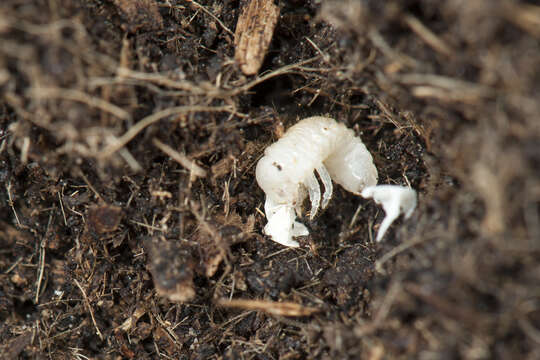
x,y
314,191
299,229
392,214
302,193
327,182
281,225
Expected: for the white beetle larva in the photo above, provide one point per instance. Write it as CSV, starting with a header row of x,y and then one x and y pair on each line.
x,y
288,167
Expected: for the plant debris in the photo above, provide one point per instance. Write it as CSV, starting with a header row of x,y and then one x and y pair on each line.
x,y
171,267
269,307
253,34
129,210
140,14
103,219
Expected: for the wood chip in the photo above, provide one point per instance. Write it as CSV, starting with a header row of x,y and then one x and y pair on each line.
x,y
270,307
253,34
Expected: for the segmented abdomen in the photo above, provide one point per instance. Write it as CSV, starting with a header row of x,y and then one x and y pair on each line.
x,y
308,144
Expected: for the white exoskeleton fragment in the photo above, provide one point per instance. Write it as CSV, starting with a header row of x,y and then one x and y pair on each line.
x,y
288,168
395,200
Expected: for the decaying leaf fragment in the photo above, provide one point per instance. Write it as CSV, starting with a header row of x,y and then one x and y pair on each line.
x,y
171,266
104,218
216,236
253,34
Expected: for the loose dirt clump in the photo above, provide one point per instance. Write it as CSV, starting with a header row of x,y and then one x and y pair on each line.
x,y
130,216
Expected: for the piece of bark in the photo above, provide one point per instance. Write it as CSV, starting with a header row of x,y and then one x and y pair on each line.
x,y
253,34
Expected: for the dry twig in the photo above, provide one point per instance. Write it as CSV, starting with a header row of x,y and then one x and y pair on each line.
x,y
149,120
269,307
90,310
427,35
182,159
79,96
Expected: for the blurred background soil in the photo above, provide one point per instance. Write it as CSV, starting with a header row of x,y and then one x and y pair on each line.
x,y
111,248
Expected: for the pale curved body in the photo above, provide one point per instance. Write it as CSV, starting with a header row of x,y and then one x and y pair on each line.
x,y
288,167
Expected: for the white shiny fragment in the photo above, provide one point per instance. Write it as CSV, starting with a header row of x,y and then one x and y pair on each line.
x,y
281,226
395,200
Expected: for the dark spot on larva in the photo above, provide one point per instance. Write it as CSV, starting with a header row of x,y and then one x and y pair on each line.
x,y
277,165
325,128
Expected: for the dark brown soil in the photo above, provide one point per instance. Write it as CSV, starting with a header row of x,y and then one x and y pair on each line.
x,y
100,228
